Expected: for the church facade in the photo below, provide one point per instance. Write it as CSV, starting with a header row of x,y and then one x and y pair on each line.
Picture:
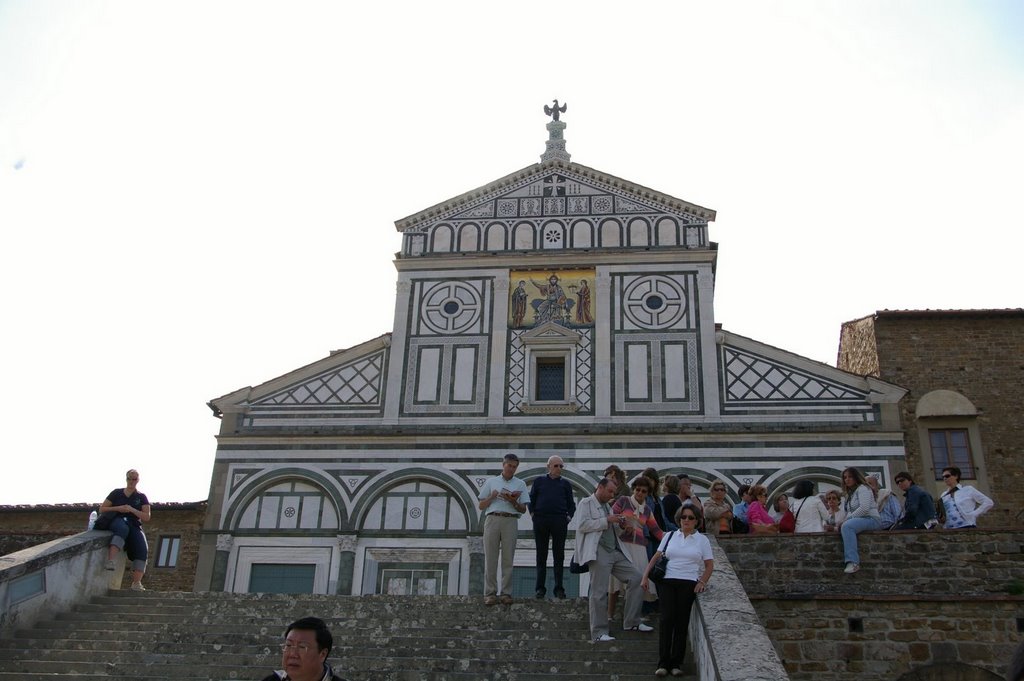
x,y
557,310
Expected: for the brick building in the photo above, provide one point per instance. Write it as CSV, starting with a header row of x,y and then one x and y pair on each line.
x,y
173,534
964,370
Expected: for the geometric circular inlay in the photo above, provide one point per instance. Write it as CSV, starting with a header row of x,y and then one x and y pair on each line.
x,y
289,512
450,307
654,302
415,513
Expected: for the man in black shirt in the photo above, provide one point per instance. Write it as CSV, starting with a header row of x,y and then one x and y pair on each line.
x,y
551,507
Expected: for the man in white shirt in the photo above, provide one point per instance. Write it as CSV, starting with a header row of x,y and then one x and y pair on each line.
x,y
503,498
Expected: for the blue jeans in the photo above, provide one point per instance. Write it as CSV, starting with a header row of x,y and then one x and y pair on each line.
x,y
131,539
850,529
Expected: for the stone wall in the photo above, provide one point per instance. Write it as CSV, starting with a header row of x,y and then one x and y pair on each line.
x,y
976,353
25,526
924,603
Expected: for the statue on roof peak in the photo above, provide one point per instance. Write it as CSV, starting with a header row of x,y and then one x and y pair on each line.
x,y
555,110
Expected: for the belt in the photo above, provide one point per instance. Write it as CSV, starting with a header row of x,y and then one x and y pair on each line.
x,y
504,515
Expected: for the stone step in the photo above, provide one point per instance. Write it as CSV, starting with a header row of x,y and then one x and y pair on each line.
x,y
396,648
185,666
413,644
171,637
378,675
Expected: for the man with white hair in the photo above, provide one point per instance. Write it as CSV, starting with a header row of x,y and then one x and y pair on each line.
x,y
551,507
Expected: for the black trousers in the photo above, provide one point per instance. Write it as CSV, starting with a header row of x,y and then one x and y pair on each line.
x,y
551,528
676,597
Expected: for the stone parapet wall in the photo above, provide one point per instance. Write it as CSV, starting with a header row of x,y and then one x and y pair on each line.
x,y
24,526
922,600
836,639
913,562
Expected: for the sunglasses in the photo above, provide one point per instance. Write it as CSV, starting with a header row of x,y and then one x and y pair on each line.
x,y
946,475
687,517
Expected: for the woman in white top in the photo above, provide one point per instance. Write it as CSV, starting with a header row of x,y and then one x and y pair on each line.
x,y
961,503
808,510
861,516
836,514
689,568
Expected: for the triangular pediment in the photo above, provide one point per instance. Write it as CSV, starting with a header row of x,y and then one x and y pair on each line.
x,y
754,373
557,189
550,333
351,379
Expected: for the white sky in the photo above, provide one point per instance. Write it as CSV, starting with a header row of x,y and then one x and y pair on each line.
x,y
200,196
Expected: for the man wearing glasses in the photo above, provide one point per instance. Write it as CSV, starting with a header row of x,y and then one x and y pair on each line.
x,y
551,507
919,508
307,643
503,498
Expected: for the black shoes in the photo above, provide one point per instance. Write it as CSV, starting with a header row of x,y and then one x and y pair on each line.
x,y
541,593
559,592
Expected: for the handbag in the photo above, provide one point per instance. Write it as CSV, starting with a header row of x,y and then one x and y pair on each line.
x,y
657,572
577,569
787,523
104,520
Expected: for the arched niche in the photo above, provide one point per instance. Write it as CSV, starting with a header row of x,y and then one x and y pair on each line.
x,y
944,403
415,503
288,504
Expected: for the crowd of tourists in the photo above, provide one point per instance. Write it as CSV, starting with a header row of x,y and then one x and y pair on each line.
x,y
644,540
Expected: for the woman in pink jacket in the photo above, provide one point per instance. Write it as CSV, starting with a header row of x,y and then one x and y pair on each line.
x,y
760,521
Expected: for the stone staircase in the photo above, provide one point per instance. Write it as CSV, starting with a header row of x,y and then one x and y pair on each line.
x,y
171,635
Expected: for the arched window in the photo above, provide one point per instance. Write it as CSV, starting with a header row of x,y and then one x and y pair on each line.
x,y
416,505
289,505
947,425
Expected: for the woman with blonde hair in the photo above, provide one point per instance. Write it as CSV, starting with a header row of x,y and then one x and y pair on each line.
x,y
758,518
718,510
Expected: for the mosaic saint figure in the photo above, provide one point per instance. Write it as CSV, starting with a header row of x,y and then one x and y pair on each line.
x,y
519,298
583,304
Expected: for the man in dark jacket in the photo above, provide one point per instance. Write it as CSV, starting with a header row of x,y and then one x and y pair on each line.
x,y
551,507
307,643
919,509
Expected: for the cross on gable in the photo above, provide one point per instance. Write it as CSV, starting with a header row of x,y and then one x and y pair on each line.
x,y
554,186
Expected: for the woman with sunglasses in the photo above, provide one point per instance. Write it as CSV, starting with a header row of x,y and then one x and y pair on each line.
x,y
132,508
690,564
962,504
718,511
638,517
836,514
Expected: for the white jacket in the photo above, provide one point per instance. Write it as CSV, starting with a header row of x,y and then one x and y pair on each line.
x,y
590,521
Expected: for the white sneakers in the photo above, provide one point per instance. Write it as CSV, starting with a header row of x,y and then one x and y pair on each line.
x,y
851,568
642,628
661,671
109,565
137,586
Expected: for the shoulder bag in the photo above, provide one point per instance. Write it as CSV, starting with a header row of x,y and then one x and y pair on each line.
x,y
657,572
